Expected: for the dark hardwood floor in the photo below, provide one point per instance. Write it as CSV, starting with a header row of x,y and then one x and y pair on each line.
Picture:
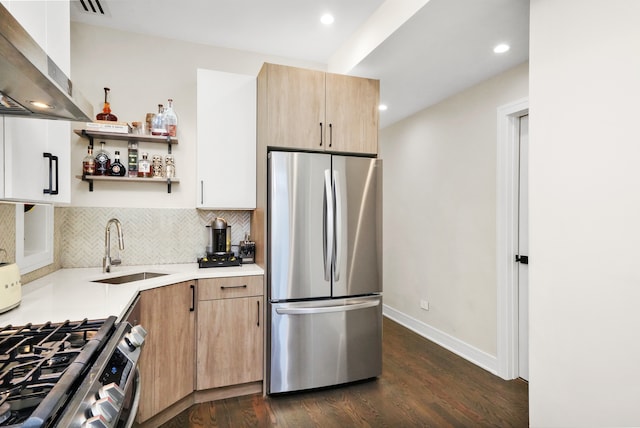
x,y
422,385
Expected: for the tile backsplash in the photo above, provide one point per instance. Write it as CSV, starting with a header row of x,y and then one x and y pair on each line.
x,y
151,236
7,233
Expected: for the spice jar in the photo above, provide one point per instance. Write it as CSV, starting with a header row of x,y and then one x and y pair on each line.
x,y
170,166
156,166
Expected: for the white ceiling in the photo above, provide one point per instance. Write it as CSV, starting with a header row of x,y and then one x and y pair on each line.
x,y
444,48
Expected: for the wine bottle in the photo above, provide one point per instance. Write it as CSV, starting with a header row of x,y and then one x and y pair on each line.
x,y
144,166
89,163
158,126
170,120
106,109
103,161
133,159
117,169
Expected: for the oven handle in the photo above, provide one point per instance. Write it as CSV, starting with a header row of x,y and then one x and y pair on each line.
x,y
136,400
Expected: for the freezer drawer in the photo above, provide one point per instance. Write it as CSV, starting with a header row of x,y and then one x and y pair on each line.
x,y
322,343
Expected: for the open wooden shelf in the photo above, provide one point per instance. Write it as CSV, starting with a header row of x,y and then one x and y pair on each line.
x,y
90,134
91,178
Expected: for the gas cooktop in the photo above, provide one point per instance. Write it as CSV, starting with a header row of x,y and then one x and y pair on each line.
x,y
40,366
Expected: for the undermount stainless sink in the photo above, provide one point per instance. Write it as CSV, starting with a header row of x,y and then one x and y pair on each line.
x,y
138,276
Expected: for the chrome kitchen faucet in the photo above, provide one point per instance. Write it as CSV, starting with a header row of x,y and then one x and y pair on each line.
x,y
106,260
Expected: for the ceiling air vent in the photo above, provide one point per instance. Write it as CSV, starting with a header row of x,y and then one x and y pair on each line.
x,y
92,7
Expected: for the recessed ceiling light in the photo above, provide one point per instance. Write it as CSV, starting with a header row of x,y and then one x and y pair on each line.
x,y
382,107
501,48
327,19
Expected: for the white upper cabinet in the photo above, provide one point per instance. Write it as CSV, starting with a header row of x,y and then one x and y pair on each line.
x,y
36,153
226,147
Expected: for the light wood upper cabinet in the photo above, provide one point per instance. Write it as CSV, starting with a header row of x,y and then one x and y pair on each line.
x,y
352,113
293,106
167,364
314,110
230,331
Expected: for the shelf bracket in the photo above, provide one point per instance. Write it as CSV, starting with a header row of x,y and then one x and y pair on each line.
x,y
88,180
169,146
169,182
89,137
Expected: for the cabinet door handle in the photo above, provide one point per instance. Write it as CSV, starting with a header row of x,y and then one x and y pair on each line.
x,y
320,133
201,192
258,323
52,159
224,287
193,298
330,134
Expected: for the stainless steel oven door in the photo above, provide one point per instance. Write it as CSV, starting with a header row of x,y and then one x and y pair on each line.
x,y
110,391
128,415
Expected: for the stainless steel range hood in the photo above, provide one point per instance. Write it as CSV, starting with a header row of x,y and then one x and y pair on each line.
x,y
28,76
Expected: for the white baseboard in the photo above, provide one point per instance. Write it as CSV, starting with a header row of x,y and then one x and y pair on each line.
x,y
466,351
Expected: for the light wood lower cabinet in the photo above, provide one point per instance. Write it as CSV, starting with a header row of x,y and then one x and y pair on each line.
x,y
196,346
230,331
167,360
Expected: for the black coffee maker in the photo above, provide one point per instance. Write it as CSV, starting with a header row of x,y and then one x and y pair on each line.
x,y
218,244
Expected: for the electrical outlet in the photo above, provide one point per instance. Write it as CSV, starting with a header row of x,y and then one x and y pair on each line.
x,y
424,304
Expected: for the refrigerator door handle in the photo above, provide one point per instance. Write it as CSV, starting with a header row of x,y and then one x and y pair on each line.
x,y
337,224
327,309
328,232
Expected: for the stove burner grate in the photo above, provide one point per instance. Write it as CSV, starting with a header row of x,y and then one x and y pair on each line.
x,y
40,365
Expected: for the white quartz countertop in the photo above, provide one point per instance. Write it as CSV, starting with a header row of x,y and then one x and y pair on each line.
x,y
70,294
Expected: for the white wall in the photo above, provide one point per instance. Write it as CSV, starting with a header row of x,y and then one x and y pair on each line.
x,y
440,211
585,213
143,72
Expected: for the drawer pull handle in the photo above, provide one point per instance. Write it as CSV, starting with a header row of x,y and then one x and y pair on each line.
x,y
222,287
258,323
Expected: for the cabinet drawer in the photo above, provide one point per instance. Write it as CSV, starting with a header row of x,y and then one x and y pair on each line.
x,y
231,287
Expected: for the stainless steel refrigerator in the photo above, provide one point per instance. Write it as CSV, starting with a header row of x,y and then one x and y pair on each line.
x,y
324,271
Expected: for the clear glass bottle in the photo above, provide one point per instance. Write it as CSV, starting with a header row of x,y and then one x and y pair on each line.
x,y
89,163
117,169
103,160
106,109
171,120
157,126
144,166
133,159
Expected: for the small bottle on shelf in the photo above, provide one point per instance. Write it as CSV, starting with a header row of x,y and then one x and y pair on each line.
x,y
106,109
144,166
89,163
171,120
157,169
170,166
158,124
117,169
133,159
103,161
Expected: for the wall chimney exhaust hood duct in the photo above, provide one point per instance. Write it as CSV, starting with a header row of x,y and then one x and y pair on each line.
x,y
31,84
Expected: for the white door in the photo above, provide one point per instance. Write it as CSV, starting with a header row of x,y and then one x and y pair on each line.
x,y
523,250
